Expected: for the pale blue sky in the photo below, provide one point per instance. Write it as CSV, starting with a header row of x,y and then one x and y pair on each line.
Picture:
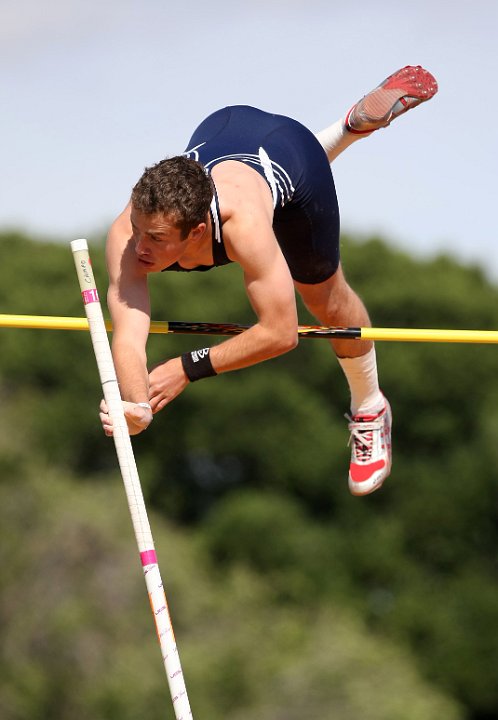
x,y
94,91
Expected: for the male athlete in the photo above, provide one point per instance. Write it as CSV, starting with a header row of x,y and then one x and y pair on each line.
x,y
256,189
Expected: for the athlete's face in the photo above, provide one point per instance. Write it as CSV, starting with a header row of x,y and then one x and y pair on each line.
x,y
157,241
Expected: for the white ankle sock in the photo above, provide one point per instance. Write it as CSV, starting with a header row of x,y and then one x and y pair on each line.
x,y
361,374
335,139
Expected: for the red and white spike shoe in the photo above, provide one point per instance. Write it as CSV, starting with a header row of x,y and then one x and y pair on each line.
x,y
371,456
400,92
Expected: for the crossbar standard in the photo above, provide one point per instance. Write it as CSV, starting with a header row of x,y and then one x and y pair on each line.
x,y
46,322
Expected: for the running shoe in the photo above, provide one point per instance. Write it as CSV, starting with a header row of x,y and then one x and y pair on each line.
x,y
371,456
400,92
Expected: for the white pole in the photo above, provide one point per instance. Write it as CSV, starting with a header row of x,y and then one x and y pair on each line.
x,y
131,480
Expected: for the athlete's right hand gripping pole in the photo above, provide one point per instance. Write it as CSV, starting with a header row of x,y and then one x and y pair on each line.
x,y
131,480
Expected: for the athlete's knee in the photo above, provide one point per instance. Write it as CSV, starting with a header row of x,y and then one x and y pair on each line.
x,y
329,299
338,302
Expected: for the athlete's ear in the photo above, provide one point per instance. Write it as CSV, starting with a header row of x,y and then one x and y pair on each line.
x,y
197,232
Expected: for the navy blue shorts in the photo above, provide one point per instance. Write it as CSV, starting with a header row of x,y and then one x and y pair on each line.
x,y
290,158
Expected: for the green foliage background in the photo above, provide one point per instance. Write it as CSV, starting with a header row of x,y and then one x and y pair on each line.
x,y
289,597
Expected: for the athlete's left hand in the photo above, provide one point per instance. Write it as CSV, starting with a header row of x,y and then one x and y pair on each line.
x,y
166,381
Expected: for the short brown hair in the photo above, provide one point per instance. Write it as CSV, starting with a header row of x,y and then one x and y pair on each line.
x,y
177,186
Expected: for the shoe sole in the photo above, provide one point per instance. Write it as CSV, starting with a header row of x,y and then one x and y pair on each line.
x,y
405,88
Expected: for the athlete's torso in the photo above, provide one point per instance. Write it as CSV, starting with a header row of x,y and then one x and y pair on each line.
x,y
294,166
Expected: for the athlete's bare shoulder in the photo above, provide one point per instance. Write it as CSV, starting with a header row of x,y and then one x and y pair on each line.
x,y
246,209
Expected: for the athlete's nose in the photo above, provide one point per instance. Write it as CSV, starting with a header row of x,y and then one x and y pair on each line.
x,y
141,246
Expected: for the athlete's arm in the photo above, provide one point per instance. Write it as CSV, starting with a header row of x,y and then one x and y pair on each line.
x,y
271,293
249,240
129,306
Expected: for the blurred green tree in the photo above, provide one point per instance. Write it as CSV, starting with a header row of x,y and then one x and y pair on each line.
x,y
253,464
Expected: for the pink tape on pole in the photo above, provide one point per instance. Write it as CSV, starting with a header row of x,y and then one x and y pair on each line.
x,y
148,557
90,296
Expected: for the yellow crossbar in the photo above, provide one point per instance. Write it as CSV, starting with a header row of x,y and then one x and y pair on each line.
x,y
46,322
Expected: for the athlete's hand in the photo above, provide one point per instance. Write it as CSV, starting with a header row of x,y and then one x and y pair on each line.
x,y
138,418
166,381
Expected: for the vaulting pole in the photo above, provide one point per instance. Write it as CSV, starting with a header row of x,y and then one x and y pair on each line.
x,y
131,481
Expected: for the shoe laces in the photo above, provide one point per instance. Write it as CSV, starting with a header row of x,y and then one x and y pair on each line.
x,y
362,435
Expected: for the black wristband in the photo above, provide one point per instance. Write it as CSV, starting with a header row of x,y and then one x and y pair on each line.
x,y
197,364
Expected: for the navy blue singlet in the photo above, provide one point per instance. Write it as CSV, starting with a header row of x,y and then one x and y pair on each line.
x,y
296,168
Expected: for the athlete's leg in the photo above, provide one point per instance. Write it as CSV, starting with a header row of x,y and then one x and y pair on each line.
x,y
401,91
333,302
308,233
336,138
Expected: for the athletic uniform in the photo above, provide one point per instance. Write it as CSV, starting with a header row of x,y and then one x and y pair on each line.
x,y
295,166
